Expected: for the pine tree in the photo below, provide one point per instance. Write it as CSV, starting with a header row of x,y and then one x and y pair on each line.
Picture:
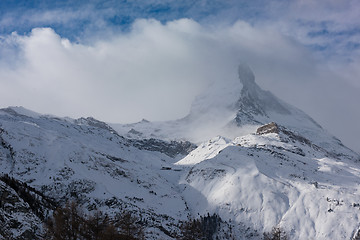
x,y
192,230
129,225
276,234
95,226
203,228
70,223
66,223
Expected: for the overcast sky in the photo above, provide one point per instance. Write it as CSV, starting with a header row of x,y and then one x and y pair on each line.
x,y
121,61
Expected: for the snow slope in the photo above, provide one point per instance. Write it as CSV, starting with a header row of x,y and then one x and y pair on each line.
x,y
85,159
274,180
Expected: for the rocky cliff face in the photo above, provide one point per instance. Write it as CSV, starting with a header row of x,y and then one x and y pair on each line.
x,y
254,101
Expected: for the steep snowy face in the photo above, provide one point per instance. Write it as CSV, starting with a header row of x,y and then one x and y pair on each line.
x,y
257,107
86,160
276,177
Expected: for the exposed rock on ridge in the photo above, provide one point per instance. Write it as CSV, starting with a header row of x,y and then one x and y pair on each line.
x,y
268,128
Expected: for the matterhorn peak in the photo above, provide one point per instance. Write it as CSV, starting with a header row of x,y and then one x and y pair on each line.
x,y
254,101
246,75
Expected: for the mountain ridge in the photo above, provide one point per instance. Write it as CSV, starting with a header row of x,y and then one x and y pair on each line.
x,y
280,170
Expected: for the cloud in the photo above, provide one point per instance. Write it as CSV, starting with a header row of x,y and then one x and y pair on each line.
x,y
329,27
156,69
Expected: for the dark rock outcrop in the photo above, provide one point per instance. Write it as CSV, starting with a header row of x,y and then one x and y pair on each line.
x,y
171,148
268,128
22,210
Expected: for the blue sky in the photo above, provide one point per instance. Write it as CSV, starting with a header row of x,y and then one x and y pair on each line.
x,y
104,58
330,27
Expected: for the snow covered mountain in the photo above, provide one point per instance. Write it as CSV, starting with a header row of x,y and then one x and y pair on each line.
x,y
275,178
272,166
239,111
87,160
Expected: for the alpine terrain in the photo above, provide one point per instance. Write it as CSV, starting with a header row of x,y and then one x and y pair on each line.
x,y
245,160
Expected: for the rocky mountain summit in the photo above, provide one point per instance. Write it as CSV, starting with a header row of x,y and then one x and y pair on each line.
x,y
242,168
254,101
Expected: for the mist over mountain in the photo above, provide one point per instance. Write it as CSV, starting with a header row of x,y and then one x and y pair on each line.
x,y
242,162
103,74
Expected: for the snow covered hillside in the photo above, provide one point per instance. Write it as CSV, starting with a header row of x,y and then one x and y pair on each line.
x,y
86,160
277,178
258,163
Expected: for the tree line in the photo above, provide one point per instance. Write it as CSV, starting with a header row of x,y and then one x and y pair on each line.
x,y
71,223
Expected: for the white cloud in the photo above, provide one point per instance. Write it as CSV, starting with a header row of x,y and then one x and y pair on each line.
x,y
155,70
328,24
